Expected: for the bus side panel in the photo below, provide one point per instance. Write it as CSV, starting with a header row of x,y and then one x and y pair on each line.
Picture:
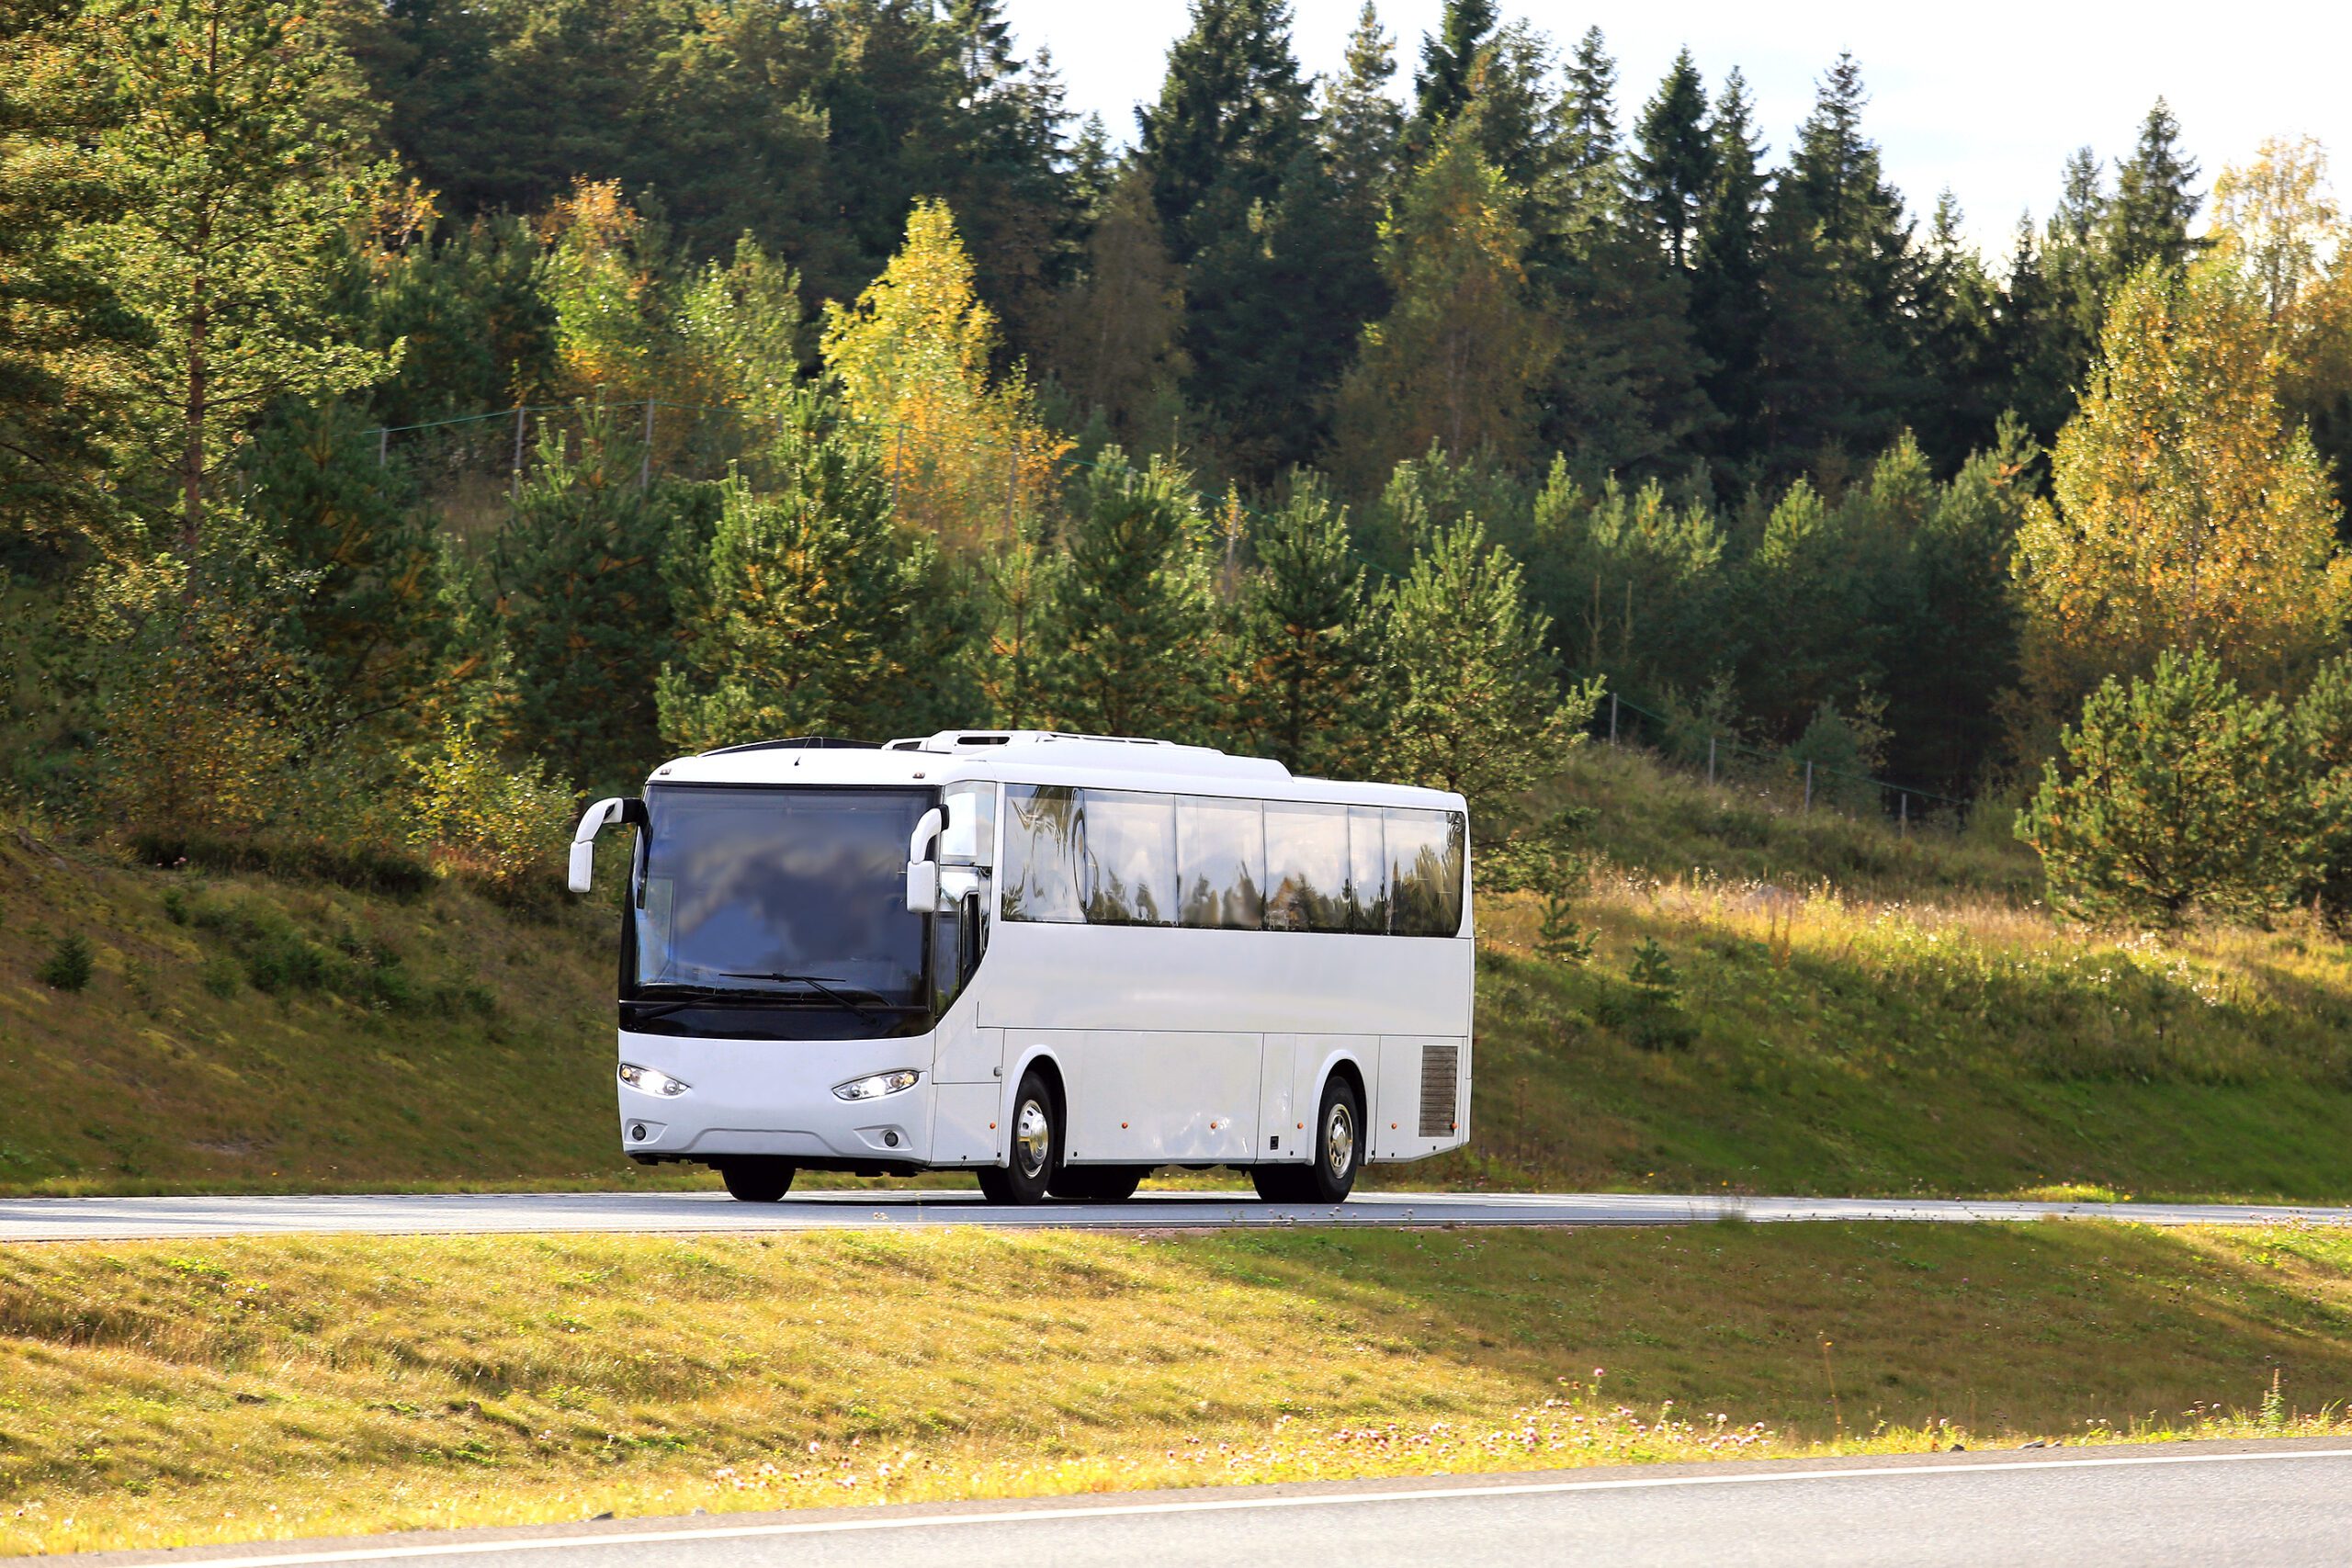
x,y
1181,980
1320,1056
1418,1110
1152,1097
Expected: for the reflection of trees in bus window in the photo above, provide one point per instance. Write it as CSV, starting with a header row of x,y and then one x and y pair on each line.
x,y
1306,866
1042,839
1425,852
1221,861
1367,871
1127,858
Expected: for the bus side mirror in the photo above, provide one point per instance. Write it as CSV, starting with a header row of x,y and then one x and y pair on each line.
x,y
598,818
922,872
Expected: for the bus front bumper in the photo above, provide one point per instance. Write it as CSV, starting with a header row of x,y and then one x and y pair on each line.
x,y
777,1097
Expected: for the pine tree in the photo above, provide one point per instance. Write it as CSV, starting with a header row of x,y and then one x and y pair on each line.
x,y
1453,360
1473,698
1675,166
1116,339
2175,793
236,197
1957,342
1126,641
2148,220
1308,653
1802,596
57,320
1635,584
2183,512
808,613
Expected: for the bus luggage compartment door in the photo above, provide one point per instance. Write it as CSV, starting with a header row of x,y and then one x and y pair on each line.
x,y
1417,1109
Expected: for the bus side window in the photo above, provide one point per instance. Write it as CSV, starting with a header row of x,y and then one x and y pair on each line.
x,y
1127,857
1425,852
1306,866
1043,835
1221,861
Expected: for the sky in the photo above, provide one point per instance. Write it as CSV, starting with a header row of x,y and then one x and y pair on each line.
x,y
1986,99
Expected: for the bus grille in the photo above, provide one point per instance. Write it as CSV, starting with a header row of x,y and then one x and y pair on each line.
x,y
1441,1080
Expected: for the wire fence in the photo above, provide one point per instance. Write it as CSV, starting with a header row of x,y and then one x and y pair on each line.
x,y
702,441
1691,743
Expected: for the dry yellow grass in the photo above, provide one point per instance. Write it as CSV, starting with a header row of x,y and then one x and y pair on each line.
x,y
159,1394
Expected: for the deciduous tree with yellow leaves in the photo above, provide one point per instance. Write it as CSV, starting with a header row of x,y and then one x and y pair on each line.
x,y
2185,510
967,453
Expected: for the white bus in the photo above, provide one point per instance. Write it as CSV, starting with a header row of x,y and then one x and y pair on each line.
x,y
1056,961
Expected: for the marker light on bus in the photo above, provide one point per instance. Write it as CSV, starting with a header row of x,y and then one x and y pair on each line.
x,y
878,1086
652,1081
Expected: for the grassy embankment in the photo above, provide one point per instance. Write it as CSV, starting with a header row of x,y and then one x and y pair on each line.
x,y
1856,1013
158,1393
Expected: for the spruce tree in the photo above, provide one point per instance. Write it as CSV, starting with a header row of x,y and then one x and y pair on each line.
x,y
1231,117
2148,220
1361,132
1675,164
1126,638
1442,84
1728,305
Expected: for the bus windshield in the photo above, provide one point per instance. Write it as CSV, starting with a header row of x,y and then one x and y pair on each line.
x,y
782,894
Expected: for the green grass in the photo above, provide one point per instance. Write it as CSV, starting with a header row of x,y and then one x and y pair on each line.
x,y
1855,1011
157,1394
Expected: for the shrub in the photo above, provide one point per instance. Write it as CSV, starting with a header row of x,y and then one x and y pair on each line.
x,y
503,828
2175,792
69,965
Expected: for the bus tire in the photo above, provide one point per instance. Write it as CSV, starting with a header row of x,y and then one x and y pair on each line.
x,y
1337,1153
1035,1163
756,1180
1099,1184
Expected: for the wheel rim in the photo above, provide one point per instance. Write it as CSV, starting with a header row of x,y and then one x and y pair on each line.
x,y
1033,1130
1339,1142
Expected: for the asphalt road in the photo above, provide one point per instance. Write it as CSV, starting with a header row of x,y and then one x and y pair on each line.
x,y
2281,1506
119,1219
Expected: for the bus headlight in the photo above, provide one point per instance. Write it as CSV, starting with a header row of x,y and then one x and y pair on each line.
x,y
652,1081
878,1086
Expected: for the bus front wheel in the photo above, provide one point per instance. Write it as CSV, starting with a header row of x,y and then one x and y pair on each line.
x,y
756,1180
1037,1159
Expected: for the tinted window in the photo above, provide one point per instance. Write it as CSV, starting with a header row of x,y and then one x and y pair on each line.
x,y
1425,852
744,889
1306,867
1127,863
1041,837
1221,857
1367,871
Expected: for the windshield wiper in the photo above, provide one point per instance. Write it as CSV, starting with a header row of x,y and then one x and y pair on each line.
x,y
821,984
694,996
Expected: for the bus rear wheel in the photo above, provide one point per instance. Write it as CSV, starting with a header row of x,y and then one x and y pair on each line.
x,y
1099,1184
1330,1174
756,1180
1035,1166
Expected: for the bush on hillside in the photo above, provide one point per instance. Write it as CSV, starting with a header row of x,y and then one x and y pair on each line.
x,y
69,966
2175,792
503,828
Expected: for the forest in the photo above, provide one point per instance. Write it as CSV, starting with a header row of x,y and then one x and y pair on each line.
x,y
415,415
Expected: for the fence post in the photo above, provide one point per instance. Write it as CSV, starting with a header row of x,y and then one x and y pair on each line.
x,y
1711,759
1903,813
645,458
1808,783
383,445
514,484
1613,718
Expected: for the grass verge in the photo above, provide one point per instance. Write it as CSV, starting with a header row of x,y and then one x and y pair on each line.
x,y
160,1395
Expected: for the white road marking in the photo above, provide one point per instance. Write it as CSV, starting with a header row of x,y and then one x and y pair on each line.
x,y
1227,1504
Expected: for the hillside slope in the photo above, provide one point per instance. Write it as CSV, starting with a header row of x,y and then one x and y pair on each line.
x,y
1852,1011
